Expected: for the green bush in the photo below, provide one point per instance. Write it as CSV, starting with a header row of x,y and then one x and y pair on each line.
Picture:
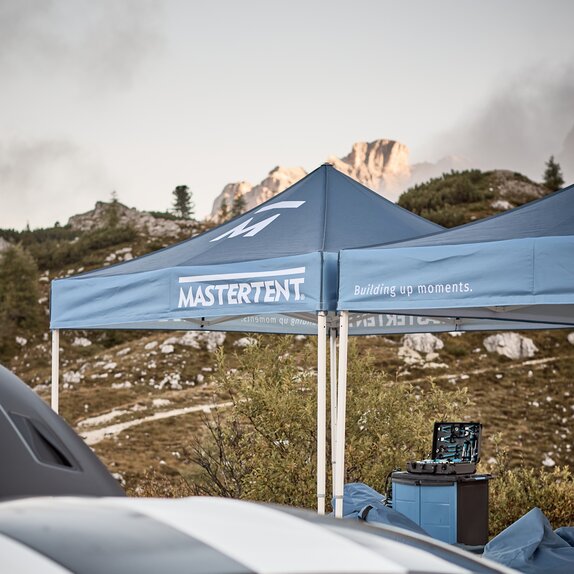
x,y
55,254
451,199
20,312
264,448
164,215
515,491
156,484
56,247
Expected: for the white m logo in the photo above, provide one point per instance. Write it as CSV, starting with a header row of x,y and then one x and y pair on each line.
x,y
249,231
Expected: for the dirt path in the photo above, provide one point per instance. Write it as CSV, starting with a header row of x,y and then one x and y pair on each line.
x,y
95,436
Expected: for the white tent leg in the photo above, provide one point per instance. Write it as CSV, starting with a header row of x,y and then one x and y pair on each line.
x,y
341,413
55,368
321,411
333,372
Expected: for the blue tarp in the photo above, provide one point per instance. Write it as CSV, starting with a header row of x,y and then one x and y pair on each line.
x,y
516,266
269,270
362,502
530,545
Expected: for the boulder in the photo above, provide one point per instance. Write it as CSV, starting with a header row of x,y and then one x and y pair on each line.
x,y
410,356
501,205
245,342
422,342
511,345
209,340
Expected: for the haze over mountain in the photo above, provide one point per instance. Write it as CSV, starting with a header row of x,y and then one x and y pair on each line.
x,y
566,157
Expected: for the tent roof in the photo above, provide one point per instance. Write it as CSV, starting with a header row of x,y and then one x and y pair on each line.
x,y
516,266
550,216
324,212
269,270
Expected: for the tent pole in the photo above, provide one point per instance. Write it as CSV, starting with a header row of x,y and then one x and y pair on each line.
x,y
341,413
55,368
321,411
333,372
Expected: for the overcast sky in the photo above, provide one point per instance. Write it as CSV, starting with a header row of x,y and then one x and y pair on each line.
x,y
139,96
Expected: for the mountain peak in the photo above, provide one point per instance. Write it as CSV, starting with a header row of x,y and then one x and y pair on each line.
x,y
381,165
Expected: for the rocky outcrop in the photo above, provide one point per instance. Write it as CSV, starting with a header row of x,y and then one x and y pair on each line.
x,y
414,346
231,192
116,213
382,165
278,180
511,345
422,342
514,188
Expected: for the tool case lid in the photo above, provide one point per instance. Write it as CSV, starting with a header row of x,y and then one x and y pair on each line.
x,y
457,442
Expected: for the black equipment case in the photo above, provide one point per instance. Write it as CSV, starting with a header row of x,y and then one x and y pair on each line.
x,y
455,450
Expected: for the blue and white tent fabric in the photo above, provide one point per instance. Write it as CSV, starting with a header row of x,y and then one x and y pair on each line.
x,y
361,502
511,271
209,536
516,266
530,545
270,270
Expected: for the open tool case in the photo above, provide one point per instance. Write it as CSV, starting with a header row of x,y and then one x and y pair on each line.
x,y
455,450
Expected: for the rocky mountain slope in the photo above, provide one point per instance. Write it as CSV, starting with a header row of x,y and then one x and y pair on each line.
x,y
139,397
278,179
120,215
382,165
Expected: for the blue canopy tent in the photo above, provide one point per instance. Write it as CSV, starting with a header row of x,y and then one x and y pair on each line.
x,y
279,261
516,269
271,270
518,265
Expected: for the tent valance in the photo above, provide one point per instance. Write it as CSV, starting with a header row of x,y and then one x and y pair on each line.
x,y
516,266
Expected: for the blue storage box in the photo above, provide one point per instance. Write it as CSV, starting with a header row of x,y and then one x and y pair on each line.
x,y
452,508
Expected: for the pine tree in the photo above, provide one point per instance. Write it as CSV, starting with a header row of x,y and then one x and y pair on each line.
x,y
113,211
182,204
238,205
553,179
223,213
20,311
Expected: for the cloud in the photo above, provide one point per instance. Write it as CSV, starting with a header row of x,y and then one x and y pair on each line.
x,y
43,182
525,122
566,158
100,44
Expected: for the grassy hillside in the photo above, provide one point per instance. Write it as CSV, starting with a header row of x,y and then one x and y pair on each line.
x,y
460,197
157,386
